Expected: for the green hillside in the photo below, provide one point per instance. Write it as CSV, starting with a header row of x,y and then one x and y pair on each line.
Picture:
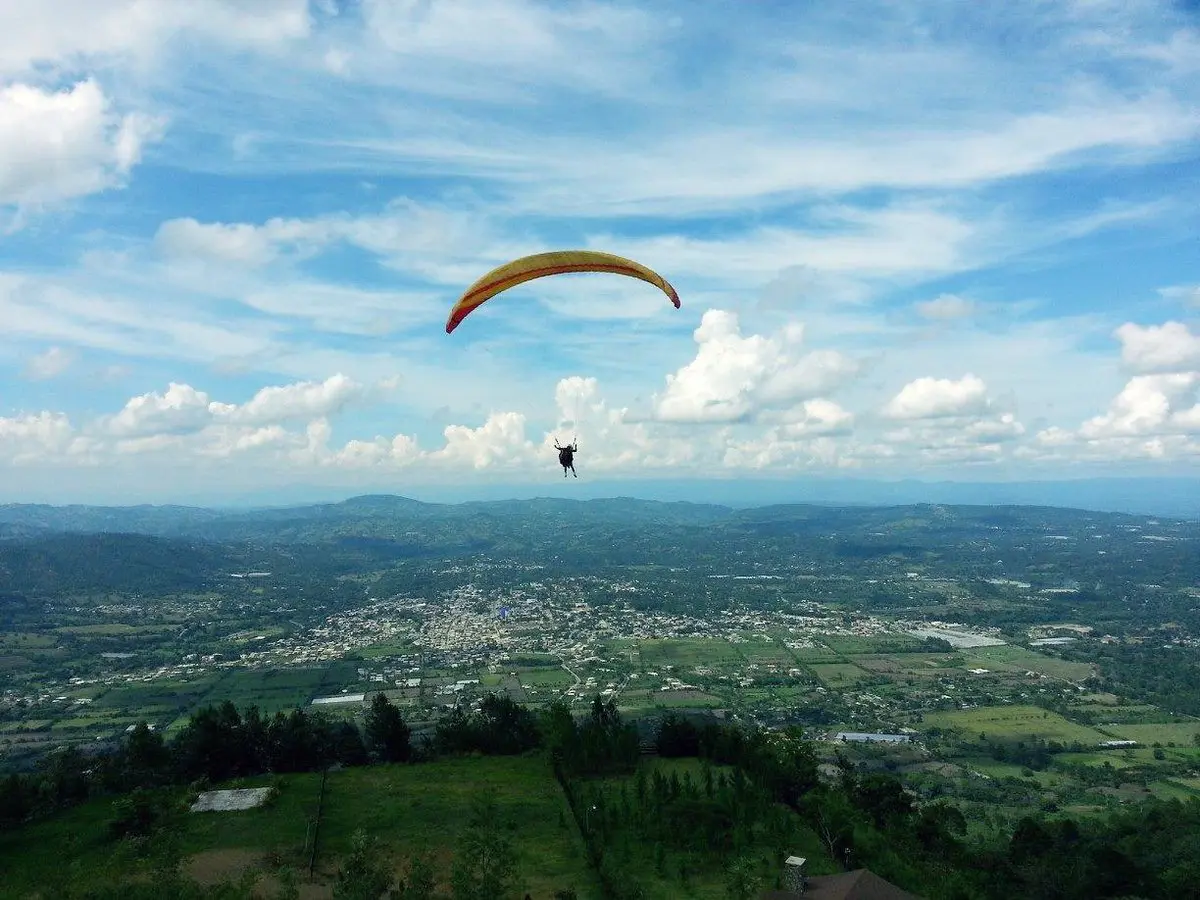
x,y
407,809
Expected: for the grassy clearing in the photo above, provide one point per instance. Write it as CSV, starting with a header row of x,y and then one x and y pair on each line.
x,y
839,674
1132,714
411,807
386,649
996,769
548,678
1180,733
407,808
819,654
766,653
688,652
685,700
1014,723
26,640
908,665
1018,659
1116,759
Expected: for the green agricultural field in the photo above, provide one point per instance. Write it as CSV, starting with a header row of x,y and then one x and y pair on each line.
x,y
816,655
989,766
546,678
1018,659
1133,714
1014,723
1180,733
114,629
271,689
1114,758
851,644
688,652
686,700
174,694
839,674
766,652
908,665
386,649
25,640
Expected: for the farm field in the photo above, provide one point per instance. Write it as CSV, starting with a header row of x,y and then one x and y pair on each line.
x,y
1179,733
1018,659
1014,723
687,652
839,674
848,645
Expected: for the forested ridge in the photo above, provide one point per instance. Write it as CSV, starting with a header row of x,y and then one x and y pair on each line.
x,y
754,790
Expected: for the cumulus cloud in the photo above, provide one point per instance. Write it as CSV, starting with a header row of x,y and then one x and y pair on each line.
x,y
304,400
498,442
814,417
932,398
50,364
1149,405
32,438
57,145
178,409
183,408
733,377
1170,347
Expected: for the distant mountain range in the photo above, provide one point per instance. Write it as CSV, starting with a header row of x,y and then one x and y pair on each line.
x,y
383,514
679,502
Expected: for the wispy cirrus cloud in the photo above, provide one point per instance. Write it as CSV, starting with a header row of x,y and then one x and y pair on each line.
x,y
901,247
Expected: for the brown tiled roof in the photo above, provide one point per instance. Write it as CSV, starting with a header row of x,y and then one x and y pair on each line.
x,y
861,884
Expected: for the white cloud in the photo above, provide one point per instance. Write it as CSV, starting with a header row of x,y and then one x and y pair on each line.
x,y
499,442
1149,405
1170,347
817,416
57,145
608,440
181,408
304,400
1004,428
930,398
72,32
34,438
732,377
50,364
946,307
184,409
1187,294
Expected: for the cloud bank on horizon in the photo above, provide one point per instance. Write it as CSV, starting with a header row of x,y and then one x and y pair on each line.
x,y
929,239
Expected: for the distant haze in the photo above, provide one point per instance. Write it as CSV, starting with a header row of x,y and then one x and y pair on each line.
x,y
1178,497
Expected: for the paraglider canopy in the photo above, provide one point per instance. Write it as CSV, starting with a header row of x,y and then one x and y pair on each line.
x,y
555,262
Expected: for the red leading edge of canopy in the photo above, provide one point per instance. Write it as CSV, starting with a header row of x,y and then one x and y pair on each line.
x,y
465,305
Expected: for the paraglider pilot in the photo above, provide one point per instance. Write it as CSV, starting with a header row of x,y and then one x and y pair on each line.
x,y
566,456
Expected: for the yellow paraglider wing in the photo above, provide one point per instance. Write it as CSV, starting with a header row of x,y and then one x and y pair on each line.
x,y
556,262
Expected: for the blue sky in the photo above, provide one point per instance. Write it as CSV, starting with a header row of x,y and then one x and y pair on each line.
x,y
934,240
